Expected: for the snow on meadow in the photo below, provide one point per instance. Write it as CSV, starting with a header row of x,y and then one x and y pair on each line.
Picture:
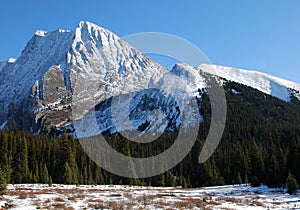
x,y
38,196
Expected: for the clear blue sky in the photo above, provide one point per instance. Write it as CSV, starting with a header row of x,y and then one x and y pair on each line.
x,y
250,34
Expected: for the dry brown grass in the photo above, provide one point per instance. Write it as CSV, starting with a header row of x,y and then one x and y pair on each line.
x,y
61,206
23,195
128,195
98,205
129,205
160,203
213,203
59,199
72,198
183,205
127,198
230,200
115,205
80,196
257,203
95,200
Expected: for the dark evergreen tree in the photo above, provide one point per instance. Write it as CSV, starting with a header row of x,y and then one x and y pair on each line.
x,y
272,178
20,161
170,180
257,166
44,177
292,184
67,175
3,183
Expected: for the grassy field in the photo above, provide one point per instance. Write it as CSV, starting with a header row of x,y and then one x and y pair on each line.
x,y
38,196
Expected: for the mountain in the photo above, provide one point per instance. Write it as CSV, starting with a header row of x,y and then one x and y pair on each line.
x,y
38,87
91,65
64,77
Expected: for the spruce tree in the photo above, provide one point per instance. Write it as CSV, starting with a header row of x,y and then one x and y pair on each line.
x,y
272,178
292,184
161,180
239,179
256,165
3,183
170,181
20,171
44,177
255,182
67,175
50,182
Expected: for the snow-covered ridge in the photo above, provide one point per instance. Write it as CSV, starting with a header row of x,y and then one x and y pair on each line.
x,y
191,76
11,60
263,82
40,33
44,33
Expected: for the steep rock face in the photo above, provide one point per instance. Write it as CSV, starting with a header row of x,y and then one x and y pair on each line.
x,y
53,108
40,54
90,63
102,65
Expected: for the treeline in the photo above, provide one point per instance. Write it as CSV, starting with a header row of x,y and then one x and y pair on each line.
x,y
27,158
261,144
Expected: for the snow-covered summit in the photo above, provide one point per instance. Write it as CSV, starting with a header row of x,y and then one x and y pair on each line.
x,y
11,60
191,76
40,33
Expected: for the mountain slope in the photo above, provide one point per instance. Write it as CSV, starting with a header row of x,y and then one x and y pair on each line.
x,y
41,52
56,65
271,85
268,84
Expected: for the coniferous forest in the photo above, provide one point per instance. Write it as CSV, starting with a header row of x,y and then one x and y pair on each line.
x,y
260,145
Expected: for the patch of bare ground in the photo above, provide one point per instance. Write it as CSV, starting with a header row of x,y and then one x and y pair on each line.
x,y
100,205
183,205
257,203
61,206
95,200
116,205
197,202
159,203
72,198
249,201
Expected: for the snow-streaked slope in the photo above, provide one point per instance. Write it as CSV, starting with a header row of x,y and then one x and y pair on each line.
x,y
95,64
191,76
265,83
103,65
39,55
